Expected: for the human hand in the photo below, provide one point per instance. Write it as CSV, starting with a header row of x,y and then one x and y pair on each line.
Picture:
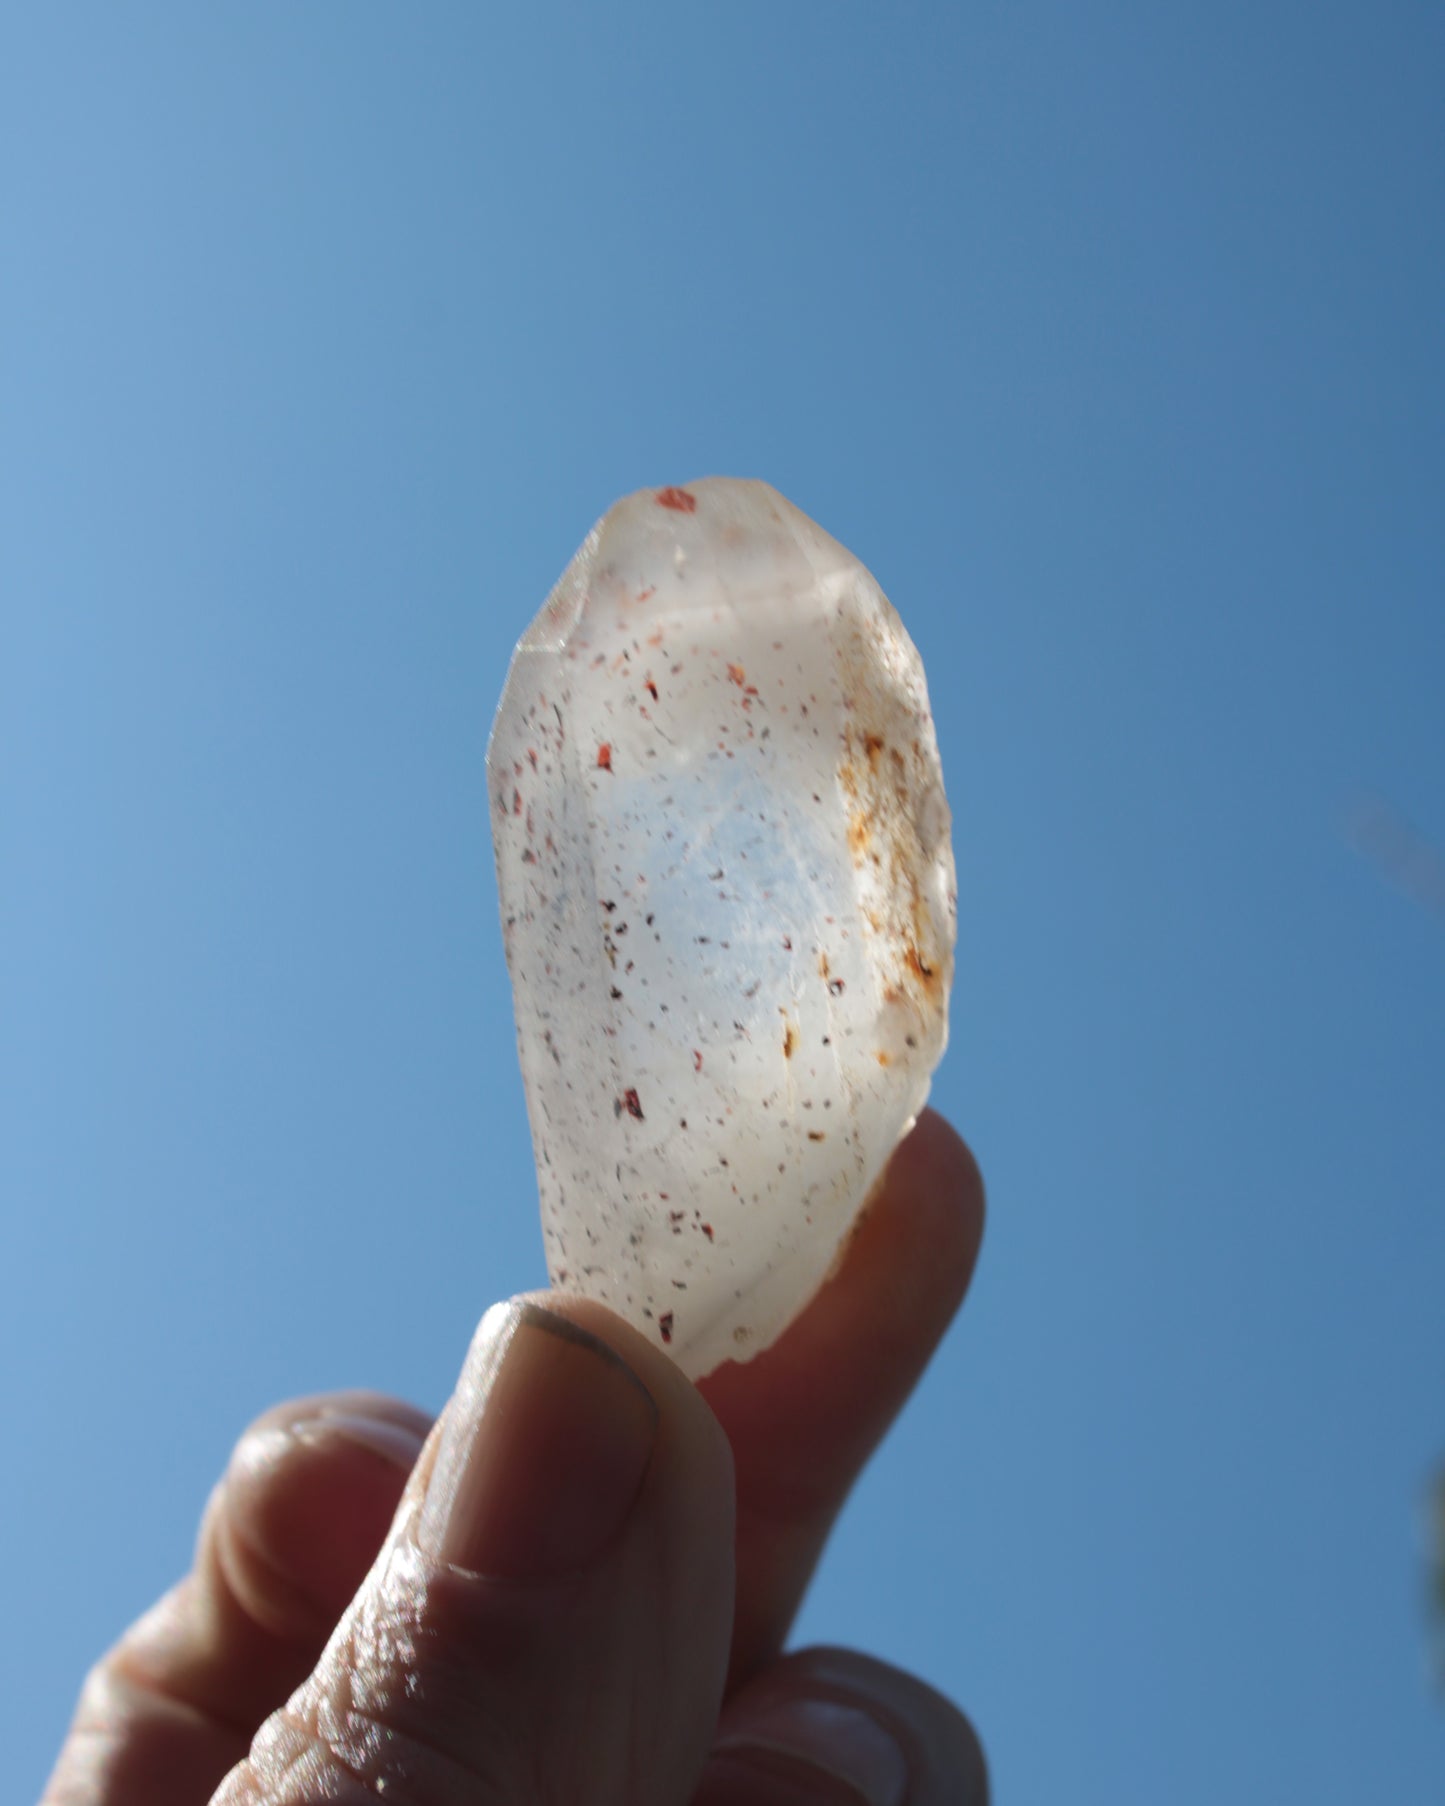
x,y
572,1590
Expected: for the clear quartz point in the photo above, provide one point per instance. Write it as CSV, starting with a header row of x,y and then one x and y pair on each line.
x,y
728,900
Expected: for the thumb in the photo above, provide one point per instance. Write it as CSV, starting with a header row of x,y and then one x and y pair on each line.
x,y
550,1616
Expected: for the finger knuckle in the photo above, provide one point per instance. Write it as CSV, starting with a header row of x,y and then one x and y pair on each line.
x,y
302,1756
395,1710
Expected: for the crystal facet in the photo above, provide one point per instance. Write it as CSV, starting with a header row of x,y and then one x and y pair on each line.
x,y
727,894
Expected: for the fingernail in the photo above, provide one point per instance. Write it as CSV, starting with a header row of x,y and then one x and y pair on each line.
x,y
543,1452
395,1443
819,1750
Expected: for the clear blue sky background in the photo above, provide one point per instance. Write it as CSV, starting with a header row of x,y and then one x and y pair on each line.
x,y
1111,337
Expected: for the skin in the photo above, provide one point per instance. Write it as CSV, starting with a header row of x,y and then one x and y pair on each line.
x,y
331,1642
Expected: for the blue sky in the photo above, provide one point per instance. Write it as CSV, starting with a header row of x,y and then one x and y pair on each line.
x,y
1110,337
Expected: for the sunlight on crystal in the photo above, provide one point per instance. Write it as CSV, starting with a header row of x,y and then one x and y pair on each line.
x,y
727,894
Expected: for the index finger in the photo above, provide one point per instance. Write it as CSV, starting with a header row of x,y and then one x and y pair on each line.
x,y
804,1416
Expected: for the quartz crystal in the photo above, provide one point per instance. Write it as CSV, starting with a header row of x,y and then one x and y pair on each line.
x,y
727,894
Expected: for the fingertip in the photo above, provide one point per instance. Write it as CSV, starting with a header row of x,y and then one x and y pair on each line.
x,y
305,1503
931,1197
872,1729
687,1423
907,1265
898,1281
